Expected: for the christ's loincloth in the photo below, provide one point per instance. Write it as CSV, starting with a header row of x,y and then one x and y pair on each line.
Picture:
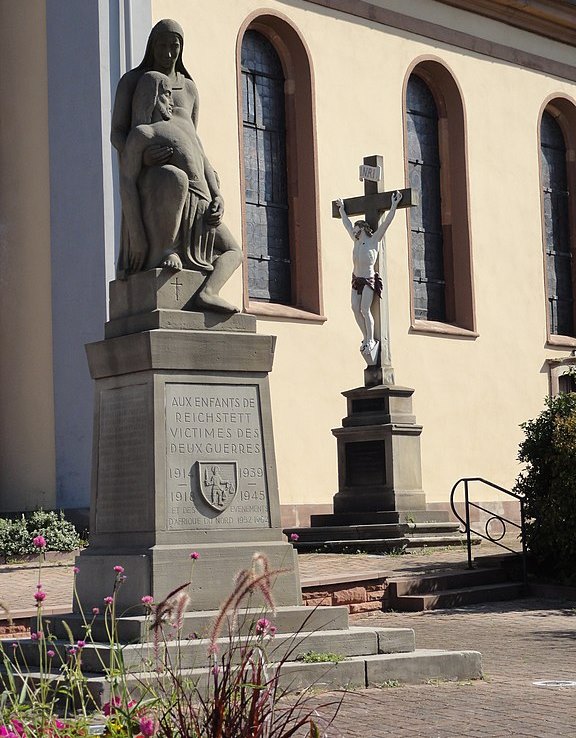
x,y
196,237
375,283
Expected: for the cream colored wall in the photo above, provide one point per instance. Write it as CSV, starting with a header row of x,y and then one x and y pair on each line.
x,y
27,473
470,396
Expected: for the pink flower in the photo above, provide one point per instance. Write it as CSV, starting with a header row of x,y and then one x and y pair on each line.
x,y
50,654
108,600
147,600
95,611
262,626
5,733
18,727
119,569
14,645
294,536
72,651
39,596
194,555
272,630
110,707
76,570
39,542
81,644
34,636
147,726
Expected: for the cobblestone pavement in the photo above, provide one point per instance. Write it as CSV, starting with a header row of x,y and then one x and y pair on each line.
x,y
521,642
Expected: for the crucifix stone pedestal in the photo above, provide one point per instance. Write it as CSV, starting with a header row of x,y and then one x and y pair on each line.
x,y
380,499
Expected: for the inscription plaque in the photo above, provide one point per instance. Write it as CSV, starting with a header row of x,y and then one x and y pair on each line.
x,y
216,471
123,458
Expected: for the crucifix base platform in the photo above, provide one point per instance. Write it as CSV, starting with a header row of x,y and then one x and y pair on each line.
x,y
380,504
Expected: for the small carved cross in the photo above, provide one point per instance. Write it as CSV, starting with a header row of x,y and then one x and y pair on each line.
x,y
176,284
372,204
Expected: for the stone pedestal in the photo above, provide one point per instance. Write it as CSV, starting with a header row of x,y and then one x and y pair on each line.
x,y
379,466
183,454
380,504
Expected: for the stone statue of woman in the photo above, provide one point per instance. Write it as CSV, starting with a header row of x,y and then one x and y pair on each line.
x,y
196,236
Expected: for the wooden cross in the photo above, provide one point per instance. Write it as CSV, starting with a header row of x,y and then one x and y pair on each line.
x,y
371,205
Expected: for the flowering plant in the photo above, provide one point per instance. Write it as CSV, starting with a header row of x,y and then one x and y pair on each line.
x,y
238,696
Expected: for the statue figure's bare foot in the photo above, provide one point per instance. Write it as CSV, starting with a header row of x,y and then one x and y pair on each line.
x,y
206,301
172,261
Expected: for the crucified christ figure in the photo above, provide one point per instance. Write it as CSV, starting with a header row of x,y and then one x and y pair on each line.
x,y
365,280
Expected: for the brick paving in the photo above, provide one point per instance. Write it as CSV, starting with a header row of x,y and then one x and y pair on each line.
x,y
521,642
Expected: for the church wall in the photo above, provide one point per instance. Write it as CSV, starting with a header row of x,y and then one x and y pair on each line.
x,y
471,393
27,467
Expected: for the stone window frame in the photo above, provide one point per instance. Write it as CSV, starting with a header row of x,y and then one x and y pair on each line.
x,y
458,264
557,368
563,109
301,150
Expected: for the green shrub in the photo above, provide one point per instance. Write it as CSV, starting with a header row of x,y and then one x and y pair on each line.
x,y
16,535
548,484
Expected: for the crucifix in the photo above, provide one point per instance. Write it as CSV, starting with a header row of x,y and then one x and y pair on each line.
x,y
375,347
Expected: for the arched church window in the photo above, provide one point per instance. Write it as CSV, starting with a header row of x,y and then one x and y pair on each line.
x,y
442,295
265,171
427,242
278,164
557,227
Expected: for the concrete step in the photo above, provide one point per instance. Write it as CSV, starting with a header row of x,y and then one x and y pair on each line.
x,y
348,532
352,545
450,580
420,539
357,672
190,654
133,629
450,598
377,518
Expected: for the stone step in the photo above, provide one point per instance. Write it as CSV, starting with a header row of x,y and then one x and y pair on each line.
x,y
428,584
459,597
353,545
424,539
380,530
355,641
132,629
378,518
348,532
416,667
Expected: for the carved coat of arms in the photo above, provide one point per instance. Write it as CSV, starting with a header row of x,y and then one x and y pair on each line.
x,y
218,483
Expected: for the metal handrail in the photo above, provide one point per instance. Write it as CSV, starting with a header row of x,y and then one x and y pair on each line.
x,y
487,536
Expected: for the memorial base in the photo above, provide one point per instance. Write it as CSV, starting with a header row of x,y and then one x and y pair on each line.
x,y
183,455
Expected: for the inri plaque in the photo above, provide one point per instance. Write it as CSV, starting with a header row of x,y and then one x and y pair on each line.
x,y
216,472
